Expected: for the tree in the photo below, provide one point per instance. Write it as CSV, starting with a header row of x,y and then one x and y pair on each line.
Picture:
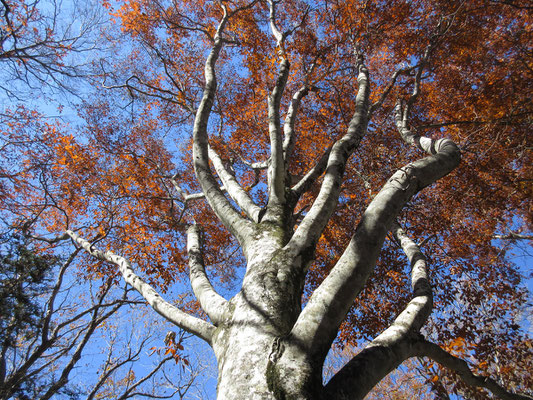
x,y
310,186
42,43
23,277
47,326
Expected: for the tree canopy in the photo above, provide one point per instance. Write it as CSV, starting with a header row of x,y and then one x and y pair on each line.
x,y
260,139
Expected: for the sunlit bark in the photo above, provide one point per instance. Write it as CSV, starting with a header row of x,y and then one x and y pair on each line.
x,y
191,324
267,345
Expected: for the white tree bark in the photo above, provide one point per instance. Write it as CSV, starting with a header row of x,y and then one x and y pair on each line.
x,y
267,346
388,350
238,226
310,229
212,303
189,323
234,189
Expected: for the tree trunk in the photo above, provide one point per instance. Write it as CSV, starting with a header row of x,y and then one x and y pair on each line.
x,y
256,357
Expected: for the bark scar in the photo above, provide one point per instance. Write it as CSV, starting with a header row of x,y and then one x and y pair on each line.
x,y
277,350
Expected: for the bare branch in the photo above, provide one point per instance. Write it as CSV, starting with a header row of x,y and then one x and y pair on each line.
x,y
388,89
155,92
513,236
185,321
277,173
419,308
424,143
276,169
314,222
21,372
459,366
212,303
355,380
394,345
50,304
65,341
312,175
237,225
110,367
96,319
234,189
327,307
290,120
130,391
280,37
255,165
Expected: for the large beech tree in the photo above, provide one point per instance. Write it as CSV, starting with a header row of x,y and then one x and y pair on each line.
x,y
309,123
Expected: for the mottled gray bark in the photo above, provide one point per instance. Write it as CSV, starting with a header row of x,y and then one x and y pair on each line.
x,y
267,346
212,303
396,344
228,215
234,189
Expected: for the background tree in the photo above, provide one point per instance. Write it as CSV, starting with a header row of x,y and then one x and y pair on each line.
x,y
45,44
23,276
278,96
48,326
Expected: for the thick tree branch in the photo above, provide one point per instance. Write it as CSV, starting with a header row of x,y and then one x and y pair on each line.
x,y
234,189
276,169
231,218
290,120
394,345
459,366
357,378
278,35
318,323
424,143
314,222
212,303
419,308
185,321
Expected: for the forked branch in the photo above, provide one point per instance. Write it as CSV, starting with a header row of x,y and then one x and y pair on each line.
x,y
316,219
228,215
234,189
395,344
331,301
276,169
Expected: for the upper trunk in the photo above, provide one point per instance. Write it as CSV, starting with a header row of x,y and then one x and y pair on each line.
x,y
253,334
